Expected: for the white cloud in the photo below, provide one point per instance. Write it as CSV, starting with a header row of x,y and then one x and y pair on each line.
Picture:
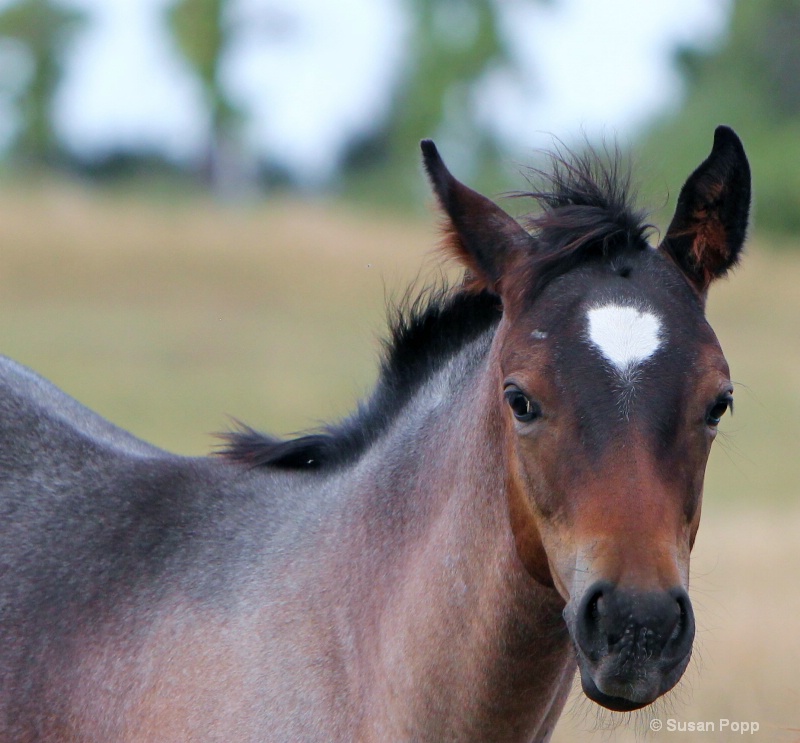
x,y
329,76
592,66
311,73
126,87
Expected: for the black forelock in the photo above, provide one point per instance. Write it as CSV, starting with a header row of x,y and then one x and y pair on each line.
x,y
585,210
425,331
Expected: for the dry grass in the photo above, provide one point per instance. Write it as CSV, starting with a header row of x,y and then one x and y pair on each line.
x,y
166,318
169,319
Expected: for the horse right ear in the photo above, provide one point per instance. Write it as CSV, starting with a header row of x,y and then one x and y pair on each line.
x,y
483,237
706,234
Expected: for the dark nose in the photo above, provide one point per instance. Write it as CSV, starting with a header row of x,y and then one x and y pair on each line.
x,y
633,624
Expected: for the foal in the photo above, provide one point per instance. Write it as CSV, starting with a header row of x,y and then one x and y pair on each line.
x,y
516,500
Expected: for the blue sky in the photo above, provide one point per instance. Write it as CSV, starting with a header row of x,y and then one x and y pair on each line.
x,y
583,65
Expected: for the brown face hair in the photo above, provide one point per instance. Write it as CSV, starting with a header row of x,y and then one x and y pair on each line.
x,y
606,460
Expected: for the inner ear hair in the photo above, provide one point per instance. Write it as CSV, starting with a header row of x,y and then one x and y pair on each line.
x,y
477,232
707,232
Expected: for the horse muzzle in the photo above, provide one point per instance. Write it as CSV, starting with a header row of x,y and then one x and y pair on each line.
x,y
632,646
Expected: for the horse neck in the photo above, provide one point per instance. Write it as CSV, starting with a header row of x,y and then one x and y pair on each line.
x,y
458,624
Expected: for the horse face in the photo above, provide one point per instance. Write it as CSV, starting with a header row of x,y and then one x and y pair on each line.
x,y
613,385
609,385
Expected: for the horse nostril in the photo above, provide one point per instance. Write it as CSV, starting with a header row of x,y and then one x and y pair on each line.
x,y
679,624
594,608
684,626
589,622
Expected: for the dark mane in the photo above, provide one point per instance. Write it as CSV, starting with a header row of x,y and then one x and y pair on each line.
x,y
425,331
585,211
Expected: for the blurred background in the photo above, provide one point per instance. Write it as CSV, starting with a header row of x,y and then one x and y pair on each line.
x,y
204,205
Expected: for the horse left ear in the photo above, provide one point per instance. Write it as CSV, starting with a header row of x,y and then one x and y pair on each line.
x,y
706,234
483,237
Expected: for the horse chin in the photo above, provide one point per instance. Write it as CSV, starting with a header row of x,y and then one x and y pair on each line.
x,y
615,704
634,691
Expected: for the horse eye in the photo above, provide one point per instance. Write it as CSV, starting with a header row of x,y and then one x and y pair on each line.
x,y
717,410
523,408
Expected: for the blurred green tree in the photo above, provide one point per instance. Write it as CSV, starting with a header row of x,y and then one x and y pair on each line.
x,y
750,81
44,28
201,35
454,44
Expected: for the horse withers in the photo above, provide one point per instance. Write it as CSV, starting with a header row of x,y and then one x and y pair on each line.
x,y
516,500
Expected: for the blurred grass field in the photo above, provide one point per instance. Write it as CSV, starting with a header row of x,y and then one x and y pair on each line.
x,y
172,316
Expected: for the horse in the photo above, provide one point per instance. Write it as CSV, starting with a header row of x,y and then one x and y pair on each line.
x,y
515,502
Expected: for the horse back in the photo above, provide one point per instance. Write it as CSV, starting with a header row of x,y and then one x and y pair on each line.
x,y
128,577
